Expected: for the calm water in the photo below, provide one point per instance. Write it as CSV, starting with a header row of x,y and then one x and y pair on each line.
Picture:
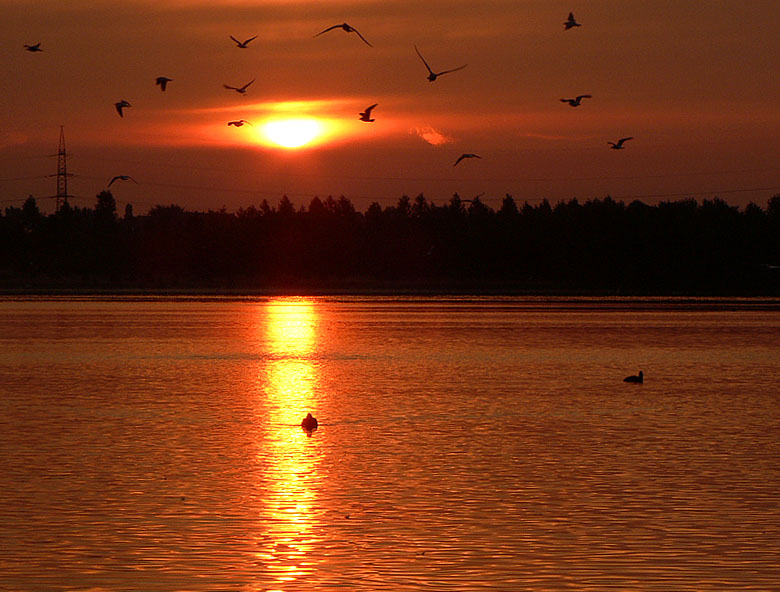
x,y
464,444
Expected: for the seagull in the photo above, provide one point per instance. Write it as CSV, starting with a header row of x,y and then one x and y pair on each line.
x,y
33,48
239,122
576,102
162,82
434,75
348,29
619,145
121,178
638,379
121,105
243,44
570,22
467,155
366,115
240,90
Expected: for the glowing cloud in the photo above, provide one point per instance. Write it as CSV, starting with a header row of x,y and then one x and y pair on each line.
x,y
431,135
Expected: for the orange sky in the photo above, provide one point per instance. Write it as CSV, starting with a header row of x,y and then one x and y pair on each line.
x,y
697,84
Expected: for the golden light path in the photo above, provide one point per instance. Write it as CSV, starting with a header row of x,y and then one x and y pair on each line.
x,y
290,380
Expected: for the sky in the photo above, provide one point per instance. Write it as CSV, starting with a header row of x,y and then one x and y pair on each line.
x,y
695,83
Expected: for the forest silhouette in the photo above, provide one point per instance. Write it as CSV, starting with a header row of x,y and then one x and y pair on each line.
x,y
595,246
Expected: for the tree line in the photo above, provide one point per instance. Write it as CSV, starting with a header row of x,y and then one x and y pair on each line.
x,y
598,245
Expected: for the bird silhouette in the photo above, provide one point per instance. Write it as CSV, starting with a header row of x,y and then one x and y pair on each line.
x,y
121,105
466,155
570,22
576,101
33,48
366,115
239,122
162,82
619,144
240,89
348,29
434,75
638,379
121,178
242,44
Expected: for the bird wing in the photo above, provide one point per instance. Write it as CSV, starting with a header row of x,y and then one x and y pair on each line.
x,y
250,39
246,86
461,157
328,29
361,36
571,17
368,109
229,87
112,180
580,97
423,59
453,70
621,140
236,40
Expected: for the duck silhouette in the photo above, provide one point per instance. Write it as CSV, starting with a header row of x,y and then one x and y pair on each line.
x,y
239,89
33,48
309,422
636,379
121,105
467,155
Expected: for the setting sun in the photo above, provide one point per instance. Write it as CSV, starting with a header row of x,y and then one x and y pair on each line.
x,y
292,133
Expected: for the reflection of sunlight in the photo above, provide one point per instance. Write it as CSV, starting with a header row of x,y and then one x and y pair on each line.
x,y
292,456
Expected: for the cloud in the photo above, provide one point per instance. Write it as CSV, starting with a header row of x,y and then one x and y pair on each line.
x,y
431,135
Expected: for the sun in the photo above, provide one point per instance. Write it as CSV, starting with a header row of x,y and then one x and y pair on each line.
x,y
293,133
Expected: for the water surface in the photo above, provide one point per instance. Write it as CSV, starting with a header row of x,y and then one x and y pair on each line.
x,y
464,444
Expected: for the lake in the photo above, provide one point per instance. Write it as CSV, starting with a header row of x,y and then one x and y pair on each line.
x,y
464,444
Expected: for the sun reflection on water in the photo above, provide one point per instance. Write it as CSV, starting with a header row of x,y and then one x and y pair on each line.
x,y
292,456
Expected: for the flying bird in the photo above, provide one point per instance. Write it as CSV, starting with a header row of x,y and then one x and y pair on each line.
x,y
162,82
239,122
242,44
619,144
467,155
121,105
570,22
241,89
576,101
33,48
366,115
348,29
122,178
434,75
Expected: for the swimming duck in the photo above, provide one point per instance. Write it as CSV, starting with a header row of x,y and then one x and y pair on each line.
x,y
638,379
309,422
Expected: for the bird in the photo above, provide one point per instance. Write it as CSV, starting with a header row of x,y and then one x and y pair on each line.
x,y
162,82
309,422
576,101
570,22
466,155
637,379
241,89
239,122
33,48
366,115
348,29
242,44
434,75
121,105
619,144
121,178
